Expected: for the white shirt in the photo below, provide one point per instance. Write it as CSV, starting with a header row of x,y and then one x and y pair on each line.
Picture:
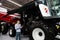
x,y
18,27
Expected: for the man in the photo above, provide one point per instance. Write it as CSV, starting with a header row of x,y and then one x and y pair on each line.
x,y
18,30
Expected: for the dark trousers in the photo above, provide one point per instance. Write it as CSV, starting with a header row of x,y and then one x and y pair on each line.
x,y
18,35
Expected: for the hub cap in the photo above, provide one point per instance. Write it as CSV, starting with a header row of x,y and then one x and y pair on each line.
x,y
38,34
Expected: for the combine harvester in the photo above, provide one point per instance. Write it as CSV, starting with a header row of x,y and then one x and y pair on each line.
x,y
40,19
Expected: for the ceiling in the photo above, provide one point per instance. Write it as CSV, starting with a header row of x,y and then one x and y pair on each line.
x,y
13,4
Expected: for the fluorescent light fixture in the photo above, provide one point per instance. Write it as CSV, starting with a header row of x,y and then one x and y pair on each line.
x,y
3,9
0,3
14,3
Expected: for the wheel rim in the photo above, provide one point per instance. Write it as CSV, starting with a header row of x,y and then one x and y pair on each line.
x,y
10,32
38,34
2,28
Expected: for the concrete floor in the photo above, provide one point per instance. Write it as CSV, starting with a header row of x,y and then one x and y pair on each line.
x,y
6,37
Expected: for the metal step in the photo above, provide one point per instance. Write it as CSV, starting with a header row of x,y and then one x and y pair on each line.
x,y
58,36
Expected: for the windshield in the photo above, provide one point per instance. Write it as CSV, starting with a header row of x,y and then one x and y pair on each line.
x,y
54,6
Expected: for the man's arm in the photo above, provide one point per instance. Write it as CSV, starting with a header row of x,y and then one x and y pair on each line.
x,y
20,26
15,26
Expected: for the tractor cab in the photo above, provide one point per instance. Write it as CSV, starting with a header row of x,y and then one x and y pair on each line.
x,y
50,9
55,8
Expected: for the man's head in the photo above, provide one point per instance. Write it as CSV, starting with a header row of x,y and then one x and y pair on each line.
x,y
18,21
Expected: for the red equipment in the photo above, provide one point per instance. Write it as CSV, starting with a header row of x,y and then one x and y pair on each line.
x,y
9,18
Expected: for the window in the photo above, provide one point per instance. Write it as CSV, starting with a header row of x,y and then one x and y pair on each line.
x,y
54,6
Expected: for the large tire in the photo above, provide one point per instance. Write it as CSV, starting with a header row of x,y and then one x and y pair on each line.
x,y
12,32
0,29
4,29
40,33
